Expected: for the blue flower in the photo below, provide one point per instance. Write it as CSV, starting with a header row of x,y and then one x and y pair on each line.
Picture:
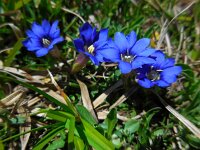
x,y
42,38
129,53
162,73
91,42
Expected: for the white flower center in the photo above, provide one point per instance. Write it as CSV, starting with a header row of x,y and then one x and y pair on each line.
x,y
91,49
46,42
154,75
127,58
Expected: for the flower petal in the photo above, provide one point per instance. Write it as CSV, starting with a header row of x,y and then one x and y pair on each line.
x,y
159,56
110,54
38,30
125,67
162,83
41,52
79,44
87,33
55,41
139,61
167,63
139,46
146,83
31,44
147,52
121,42
53,28
31,34
169,78
176,70
103,35
46,26
131,38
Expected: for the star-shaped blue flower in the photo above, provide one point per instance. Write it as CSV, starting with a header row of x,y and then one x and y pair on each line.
x,y
129,53
42,38
162,73
91,42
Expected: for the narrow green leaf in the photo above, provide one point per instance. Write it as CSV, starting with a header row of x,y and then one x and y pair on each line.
x,y
71,133
58,115
47,138
85,114
79,144
111,121
1,145
95,139
13,52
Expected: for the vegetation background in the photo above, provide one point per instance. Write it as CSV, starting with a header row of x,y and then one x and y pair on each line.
x,y
140,122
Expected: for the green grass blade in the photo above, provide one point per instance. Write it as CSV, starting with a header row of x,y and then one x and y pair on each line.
x,y
95,139
48,138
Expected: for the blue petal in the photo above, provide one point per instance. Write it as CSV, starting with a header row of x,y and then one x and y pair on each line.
x,y
125,67
169,78
162,83
32,44
146,83
139,61
92,58
46,26
79,44
53,28
147,52
55,41
176,70
30,34
159,56
38,30
88,33
139,46
56,34
121,42
110,54
131,38
103,35
167,63
41,52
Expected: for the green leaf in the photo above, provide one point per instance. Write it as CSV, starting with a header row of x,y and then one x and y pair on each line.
x,y
13,52
85,114
79,144
58,115
71,132
58,143
45,140
111,121
1,145
132,126
95,139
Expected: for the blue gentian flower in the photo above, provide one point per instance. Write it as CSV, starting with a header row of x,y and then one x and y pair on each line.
x,y
161,73
129,53
91,42
42,38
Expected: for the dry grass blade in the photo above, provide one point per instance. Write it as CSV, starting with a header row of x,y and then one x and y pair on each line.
x,y
15,29
181,118
99,100
12,98
123,97
69,11
165,26
86,98
24,138
103,115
